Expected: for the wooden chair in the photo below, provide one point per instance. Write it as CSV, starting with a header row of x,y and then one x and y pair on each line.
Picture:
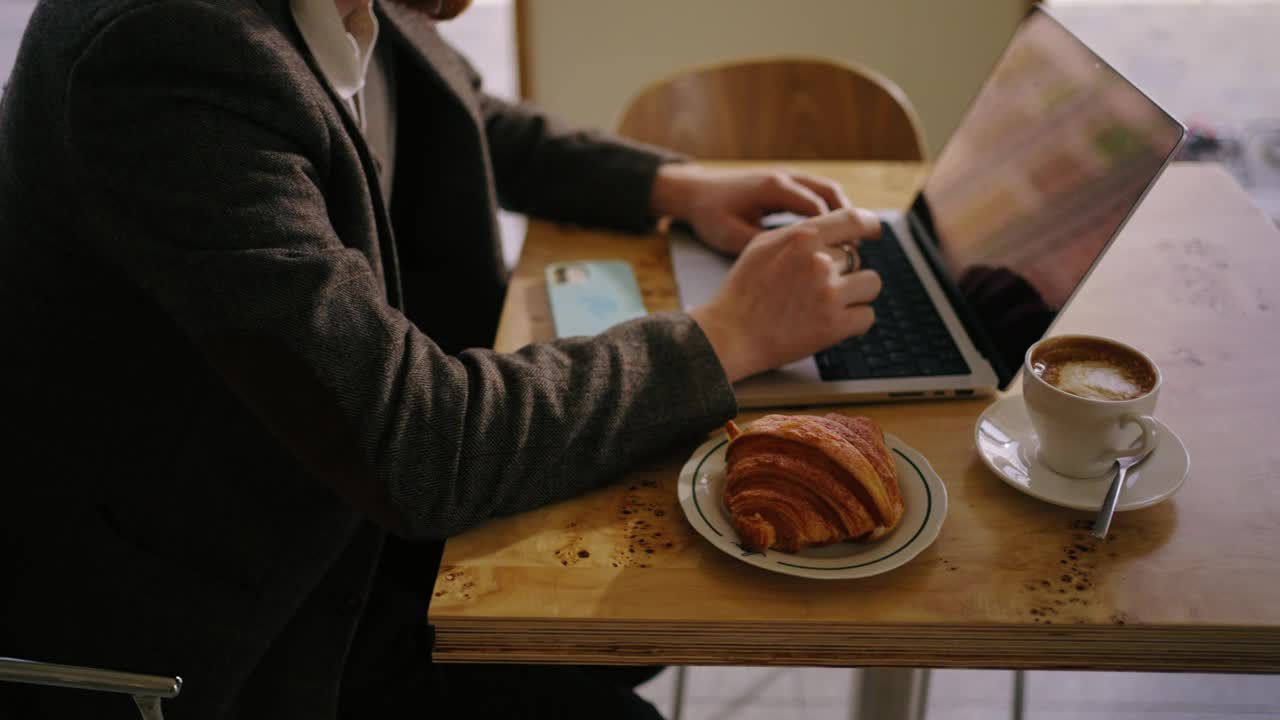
x,y
782,109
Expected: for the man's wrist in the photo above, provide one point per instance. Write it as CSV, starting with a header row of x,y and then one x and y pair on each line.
x,y
673,186
724,342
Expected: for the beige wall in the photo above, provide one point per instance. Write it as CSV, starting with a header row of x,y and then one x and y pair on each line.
x,y
589,57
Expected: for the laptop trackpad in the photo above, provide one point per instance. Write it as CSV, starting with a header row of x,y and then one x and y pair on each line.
x,y
699,270
801,372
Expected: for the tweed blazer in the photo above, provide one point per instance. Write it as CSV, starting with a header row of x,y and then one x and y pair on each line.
x,y
229,370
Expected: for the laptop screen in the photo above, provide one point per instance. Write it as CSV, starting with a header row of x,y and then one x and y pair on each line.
x,y
1054,154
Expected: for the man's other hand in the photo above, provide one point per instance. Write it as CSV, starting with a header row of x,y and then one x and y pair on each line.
x,y
725,206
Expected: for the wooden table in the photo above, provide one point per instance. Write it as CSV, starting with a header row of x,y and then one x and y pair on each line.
x,y
1190,584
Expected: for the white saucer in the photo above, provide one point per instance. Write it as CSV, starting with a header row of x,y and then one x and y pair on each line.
x,y
1009,446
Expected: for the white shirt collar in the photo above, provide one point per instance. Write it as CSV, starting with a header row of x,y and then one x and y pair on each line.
x,y
341,50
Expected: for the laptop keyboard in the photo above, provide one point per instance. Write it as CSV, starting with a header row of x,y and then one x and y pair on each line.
x,y
908,339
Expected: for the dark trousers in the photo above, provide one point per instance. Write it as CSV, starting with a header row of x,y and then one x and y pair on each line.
x,y
389,672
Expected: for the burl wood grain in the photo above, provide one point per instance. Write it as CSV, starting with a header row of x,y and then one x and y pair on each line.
x,y
619,576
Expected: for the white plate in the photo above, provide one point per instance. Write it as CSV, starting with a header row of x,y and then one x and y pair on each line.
x,y
1008,445
924,500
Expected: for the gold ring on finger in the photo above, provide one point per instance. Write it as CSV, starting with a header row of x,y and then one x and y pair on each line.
x,y
851,260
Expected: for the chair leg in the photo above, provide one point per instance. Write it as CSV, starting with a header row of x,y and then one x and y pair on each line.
x,y
923,676
149,706
1019,694
677,700
891,694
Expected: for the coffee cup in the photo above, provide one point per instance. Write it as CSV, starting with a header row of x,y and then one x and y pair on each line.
x,y
1090,400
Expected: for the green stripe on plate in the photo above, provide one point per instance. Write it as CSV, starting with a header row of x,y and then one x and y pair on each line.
x,y
696,473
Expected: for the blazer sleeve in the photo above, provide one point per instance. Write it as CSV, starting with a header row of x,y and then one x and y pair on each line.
x,y
547,168
203,171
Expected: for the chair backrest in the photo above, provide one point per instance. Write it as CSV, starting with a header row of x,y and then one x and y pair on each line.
x,y
781,109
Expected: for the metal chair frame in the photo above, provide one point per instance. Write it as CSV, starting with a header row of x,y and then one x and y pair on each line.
x,y
147,690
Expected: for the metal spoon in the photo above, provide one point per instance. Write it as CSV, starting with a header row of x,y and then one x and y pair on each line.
x,y
1102,523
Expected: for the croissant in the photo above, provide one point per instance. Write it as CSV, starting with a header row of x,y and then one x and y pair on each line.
x,y
797,481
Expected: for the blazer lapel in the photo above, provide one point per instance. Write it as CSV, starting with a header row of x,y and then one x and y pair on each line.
x,y
418,35
283,16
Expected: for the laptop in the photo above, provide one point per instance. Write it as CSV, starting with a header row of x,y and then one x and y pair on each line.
x,y
1049,162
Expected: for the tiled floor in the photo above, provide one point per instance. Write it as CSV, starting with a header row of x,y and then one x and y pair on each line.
x,y
721,693
714,693
1215,66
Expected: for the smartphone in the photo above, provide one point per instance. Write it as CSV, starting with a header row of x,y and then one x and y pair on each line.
x,y
589,296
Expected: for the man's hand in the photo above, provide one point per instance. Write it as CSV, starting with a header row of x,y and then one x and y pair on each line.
x,y
786,297
725,206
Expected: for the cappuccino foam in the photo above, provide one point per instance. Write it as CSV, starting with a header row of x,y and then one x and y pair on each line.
x,y
1093,368
1095,380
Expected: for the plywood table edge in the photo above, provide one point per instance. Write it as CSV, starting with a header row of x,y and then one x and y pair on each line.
x,y
1039,646
1112,646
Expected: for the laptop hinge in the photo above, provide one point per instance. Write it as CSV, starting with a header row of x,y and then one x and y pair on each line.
x,y
920,225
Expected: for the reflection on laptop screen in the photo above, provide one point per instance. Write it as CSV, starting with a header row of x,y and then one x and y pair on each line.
x,y
1053,155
